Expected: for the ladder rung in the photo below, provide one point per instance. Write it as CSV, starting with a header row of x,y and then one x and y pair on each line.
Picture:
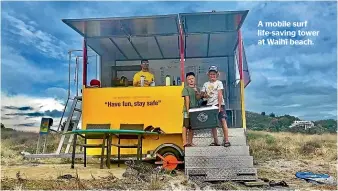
x,y
78,98
77,109
90,145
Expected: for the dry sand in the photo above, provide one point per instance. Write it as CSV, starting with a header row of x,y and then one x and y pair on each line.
x,y
276,170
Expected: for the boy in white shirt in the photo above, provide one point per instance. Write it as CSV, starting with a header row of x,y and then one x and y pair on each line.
x,y
213,91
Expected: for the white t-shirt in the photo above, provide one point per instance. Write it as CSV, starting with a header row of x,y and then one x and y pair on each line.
x,y
211,89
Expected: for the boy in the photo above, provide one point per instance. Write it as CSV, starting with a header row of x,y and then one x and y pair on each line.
x,y
212,90
191,96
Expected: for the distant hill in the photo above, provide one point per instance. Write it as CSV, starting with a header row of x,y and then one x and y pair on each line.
x,y
273,123
329,124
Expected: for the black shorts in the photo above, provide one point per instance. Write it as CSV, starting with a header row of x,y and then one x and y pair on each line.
x,y
222,114
186,123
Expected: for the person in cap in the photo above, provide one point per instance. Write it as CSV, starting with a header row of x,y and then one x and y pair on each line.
x,y
191,96
213,92
144,73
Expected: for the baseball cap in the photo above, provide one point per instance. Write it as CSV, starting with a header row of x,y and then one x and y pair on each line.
x,y
213,68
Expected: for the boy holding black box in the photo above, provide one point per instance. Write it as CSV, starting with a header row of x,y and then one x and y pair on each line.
x,y
213,91
191,96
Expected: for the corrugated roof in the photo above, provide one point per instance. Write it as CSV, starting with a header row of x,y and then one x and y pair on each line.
x,y
212,34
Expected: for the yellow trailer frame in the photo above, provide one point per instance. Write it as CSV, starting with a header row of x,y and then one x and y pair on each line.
x,y
162,108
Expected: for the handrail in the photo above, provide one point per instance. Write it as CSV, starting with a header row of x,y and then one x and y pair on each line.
x,y
70,52
63,113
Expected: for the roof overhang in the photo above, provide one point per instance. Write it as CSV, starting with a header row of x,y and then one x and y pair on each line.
x,y
206,35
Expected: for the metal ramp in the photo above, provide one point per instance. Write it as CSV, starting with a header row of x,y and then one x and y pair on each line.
x,y
218,163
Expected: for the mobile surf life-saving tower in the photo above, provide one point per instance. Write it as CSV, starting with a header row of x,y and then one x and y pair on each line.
x,y
173,44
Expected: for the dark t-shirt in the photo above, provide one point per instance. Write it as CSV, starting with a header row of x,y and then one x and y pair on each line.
x,y
188,91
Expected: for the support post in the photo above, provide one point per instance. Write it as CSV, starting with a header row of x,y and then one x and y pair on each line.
x,y
84,78
38,145
96,66
77,76
181,52
240,60
45,144
69,60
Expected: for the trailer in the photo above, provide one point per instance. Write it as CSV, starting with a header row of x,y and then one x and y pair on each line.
x,y
173,44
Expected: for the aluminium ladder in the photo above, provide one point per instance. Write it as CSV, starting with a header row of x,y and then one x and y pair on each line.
x,y
70,119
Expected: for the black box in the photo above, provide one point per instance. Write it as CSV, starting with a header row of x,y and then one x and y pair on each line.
x,y
204,117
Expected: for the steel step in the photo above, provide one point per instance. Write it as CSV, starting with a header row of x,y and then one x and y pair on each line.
x,y
79,98
233,132
205,141
218,162
77,109
217,151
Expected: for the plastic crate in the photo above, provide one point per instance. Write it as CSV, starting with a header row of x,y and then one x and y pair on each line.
x,y
204,117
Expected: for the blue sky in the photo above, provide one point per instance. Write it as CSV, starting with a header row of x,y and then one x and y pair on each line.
x,y
300,81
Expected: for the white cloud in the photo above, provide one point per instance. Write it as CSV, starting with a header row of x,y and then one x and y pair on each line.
x,y
36,105
20,74
12,62
292,105
56,92
30,35
294,67
315,60
263,64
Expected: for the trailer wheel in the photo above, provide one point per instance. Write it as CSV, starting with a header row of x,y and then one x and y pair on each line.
x,y
171,155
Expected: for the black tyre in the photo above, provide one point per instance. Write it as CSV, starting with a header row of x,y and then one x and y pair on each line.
x,y
171,151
